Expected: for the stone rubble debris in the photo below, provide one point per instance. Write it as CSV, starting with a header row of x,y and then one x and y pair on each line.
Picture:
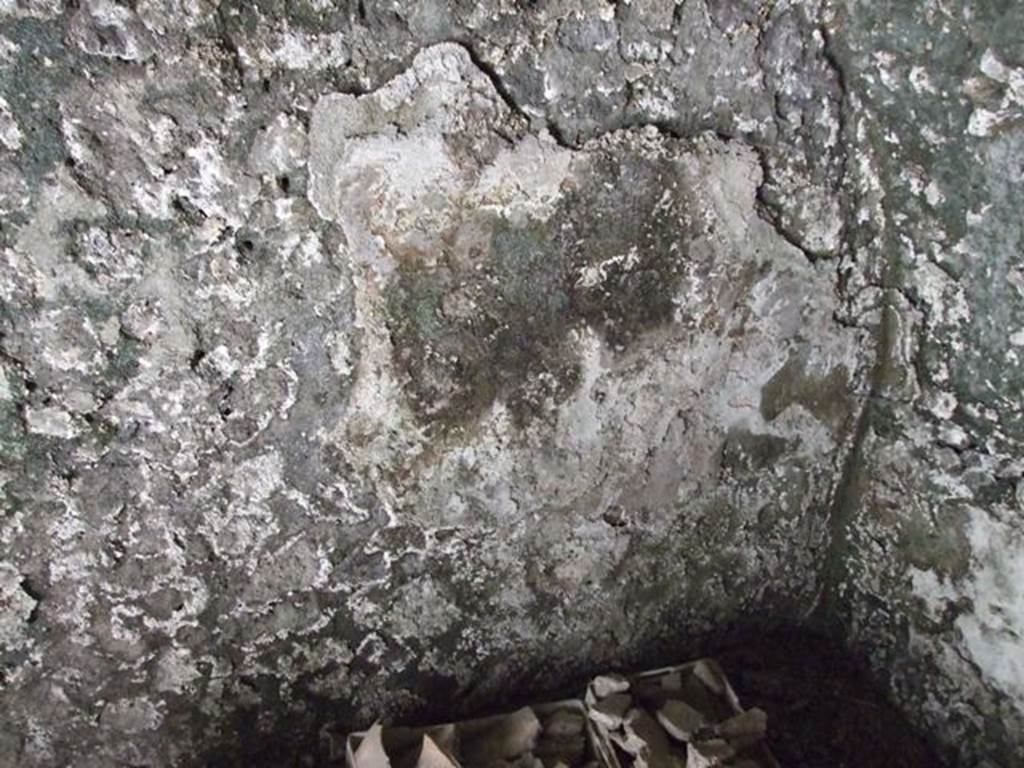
x,y
679,717
371,753
553,735
680,720
433,756
686,716
605,685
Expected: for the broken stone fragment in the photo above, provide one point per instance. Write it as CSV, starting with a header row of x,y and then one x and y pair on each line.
x,y
445,737
370,753
628,742
712,677
744,729
641,723
111,30
16,607
609,711
527,760
562,739
432,756
673,681
698,695
708,754
512,736
563,723
656,749
562,749
631,739
605,685
680,720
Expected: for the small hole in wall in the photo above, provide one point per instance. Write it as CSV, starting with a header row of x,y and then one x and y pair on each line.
x,y
29,589
284,183
246,247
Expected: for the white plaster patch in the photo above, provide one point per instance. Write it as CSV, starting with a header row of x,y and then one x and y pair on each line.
x,y
993,633
175,671
296,50
39,9
8,51
41,241
933,194
52,422
436,95
10,134
988,118
920,80
16,606
340,352
944,295
257,479
525,179
280,147
131,716
595,274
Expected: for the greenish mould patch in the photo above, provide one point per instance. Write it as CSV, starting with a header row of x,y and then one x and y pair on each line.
x,y
744,452
630,223
937,541
466,336
466,333
122,363
12,432
12,418
32,85
828,397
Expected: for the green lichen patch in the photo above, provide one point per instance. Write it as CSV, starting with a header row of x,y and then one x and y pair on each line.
x,y
937,541
465,336
629,229
497,326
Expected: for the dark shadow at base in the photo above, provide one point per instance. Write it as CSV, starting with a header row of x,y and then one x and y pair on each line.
x,y
824,709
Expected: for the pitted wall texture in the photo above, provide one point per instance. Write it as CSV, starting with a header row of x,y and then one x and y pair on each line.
x,y
354,355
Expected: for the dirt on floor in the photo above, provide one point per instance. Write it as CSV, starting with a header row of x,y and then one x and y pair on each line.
x,y
823,707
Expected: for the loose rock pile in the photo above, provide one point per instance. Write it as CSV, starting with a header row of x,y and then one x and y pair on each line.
x,y
678,717
553,735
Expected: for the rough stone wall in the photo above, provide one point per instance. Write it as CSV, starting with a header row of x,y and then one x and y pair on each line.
x,y
356,355
359,352
929,571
